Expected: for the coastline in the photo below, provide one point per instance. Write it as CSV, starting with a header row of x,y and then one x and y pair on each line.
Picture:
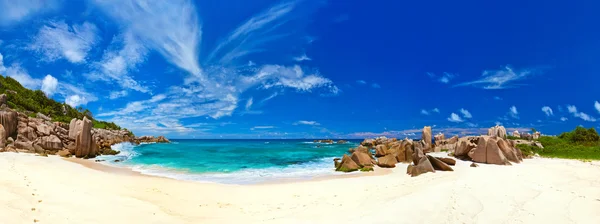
x,y
539,190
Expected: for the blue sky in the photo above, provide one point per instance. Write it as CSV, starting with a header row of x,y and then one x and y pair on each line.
x,y
310,69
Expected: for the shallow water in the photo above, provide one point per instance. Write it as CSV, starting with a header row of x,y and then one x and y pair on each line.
x,y
231,161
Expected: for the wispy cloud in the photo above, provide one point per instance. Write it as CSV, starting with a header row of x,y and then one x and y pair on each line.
x,y
444,78
597,106
497,98
513,112
573,110
376,86
428,112
19,11
261,127
169,27
465,113
504,78
548,111
311,123
455,118
564,119
117,94
361,82
302,58
123,56
215,83
58,40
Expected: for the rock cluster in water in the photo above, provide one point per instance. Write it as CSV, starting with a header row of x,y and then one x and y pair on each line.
x,y
21,133
384,152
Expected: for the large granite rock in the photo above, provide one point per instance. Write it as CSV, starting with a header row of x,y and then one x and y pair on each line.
x,y
44,129
497,131
388,161
487,151
347,165
85,146
9,119
417,156
3,98
74,128
463,147
423,166
448,161
509,152
52,143
381,150
2,135
362,159
426,137
438,164
439,137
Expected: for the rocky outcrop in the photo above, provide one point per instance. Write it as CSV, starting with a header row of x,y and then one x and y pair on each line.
x,y
347,165
151,139
426,137
325,141
439,137
516,134
439,164
381,150
536,135
448,161
421,167
9,119
497,131
85,146
487,151
362,159
388,161
51,143
2,135
74,128
342,142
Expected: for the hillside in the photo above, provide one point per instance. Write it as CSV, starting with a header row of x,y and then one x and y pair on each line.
x,y
32,102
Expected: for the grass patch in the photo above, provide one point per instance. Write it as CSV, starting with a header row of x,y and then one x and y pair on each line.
x,y
366,169
581,144
444,150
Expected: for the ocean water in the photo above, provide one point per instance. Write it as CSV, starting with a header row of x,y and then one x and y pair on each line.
x,y
231,161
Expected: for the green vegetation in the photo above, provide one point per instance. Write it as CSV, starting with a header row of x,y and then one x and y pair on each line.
x,y
581,143
31,102
366,169
444,150
512,137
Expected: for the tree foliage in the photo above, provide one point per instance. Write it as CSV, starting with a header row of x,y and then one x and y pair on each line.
x,y
31,102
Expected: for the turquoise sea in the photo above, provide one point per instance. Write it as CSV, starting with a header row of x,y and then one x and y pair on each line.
x,y
231,161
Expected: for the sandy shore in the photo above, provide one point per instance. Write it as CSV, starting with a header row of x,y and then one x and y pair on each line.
x,y
52,190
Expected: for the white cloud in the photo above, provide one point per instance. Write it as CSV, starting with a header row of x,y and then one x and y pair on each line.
x,y
58,40
239,42
597,106
249,103
376,86
465,113
169,27
362,82
292,77
583,116
497,98
455,118
428,112
262,127
49,85
2,68
302,58
18,11
548,111
564,119
123,56
18,73
513,112
311,123
117,94
500,79
214,84
444,78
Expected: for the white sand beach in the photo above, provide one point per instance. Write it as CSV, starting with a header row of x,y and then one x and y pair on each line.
x,y
53,190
